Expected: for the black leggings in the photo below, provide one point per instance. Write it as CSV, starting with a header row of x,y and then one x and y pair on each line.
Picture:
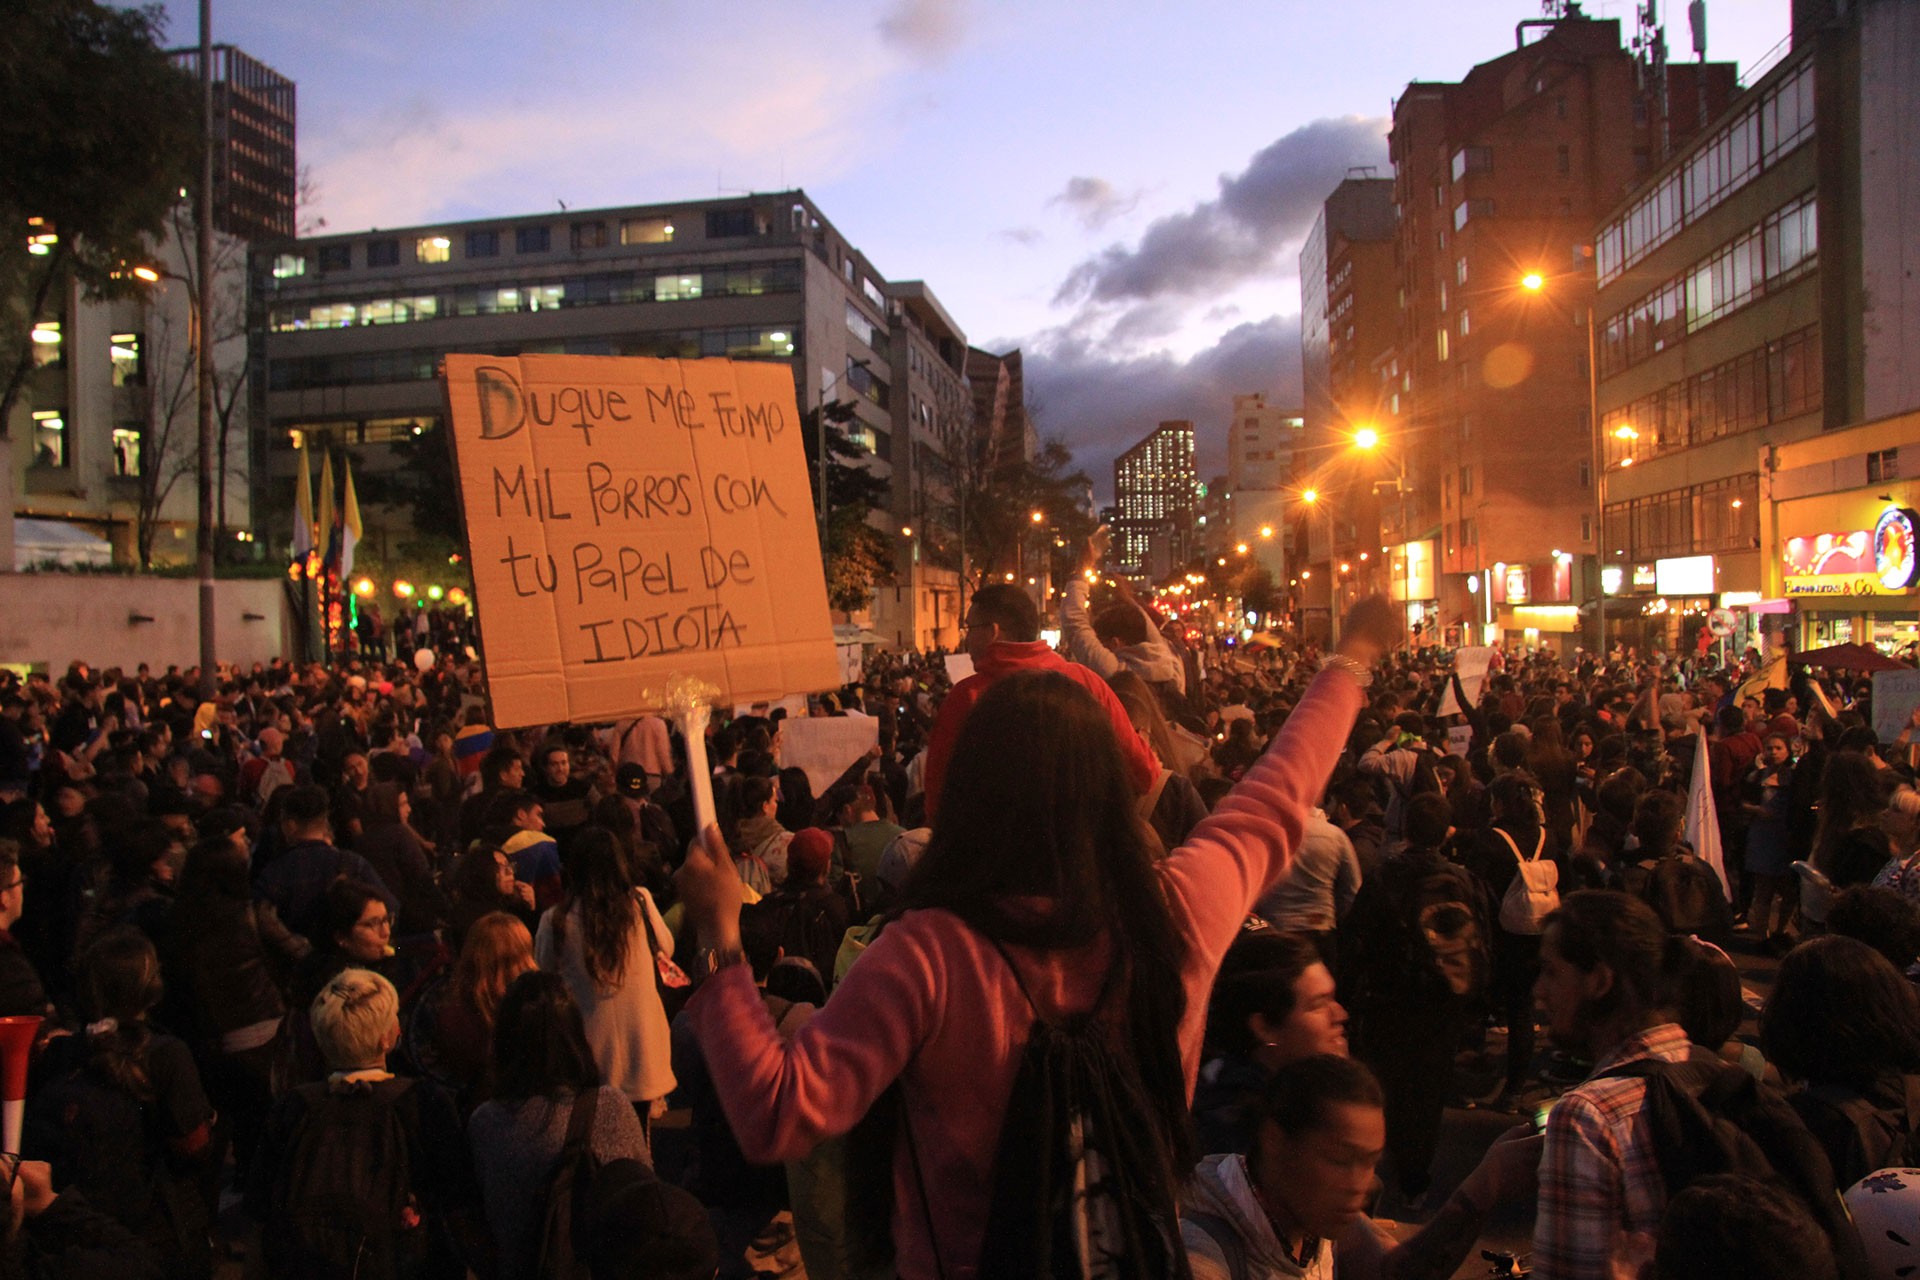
x,y
1516,963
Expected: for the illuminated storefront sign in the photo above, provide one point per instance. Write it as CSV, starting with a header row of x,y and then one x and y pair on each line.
x,y
1684,576
1894,561
1854,562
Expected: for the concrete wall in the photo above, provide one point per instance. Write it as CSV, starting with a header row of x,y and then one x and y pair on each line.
x,y
1890,206
50,619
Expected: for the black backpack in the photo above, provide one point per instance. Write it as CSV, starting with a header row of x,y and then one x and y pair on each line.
x,y
567,1194
1447,939
800,922
1708,1117
343,1186
1074,1186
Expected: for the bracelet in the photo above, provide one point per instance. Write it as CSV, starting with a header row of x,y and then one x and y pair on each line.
x,y
710,960
1358,671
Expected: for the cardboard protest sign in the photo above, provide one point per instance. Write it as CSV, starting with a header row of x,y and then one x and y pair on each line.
x,y
1895,695
826,745
959,667
633,520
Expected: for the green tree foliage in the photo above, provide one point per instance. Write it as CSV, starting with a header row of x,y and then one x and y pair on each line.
x,y
858,559
99,132
424,482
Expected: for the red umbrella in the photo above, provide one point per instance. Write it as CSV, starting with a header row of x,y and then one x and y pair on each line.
x,y
1854,657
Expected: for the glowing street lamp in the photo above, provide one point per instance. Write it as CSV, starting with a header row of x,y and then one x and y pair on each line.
x,y
1366,438
1533,282
1310,496
1266,531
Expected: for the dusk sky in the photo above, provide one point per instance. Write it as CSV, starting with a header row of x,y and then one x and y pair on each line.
x,y
1120,190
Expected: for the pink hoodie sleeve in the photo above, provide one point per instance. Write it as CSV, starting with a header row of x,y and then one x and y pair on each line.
x,y
782,1098
1248,842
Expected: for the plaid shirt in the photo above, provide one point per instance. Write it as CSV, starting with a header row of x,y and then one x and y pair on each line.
x,y
1598,1175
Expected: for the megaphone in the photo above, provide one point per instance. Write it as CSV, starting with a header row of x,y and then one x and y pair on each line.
x,y
17,1035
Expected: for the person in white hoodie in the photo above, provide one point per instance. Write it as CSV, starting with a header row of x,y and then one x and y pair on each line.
x,y
1122,638
1296,1205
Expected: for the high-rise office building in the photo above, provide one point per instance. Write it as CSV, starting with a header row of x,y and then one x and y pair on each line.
x,y
357,323
255,178
1759,354
1156,489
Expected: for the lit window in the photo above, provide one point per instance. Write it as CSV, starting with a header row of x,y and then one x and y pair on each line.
x,y
545,297
288,265
126,359
673,288
49,438
49,345
589,235
646,231
433,249
126,450
1441,344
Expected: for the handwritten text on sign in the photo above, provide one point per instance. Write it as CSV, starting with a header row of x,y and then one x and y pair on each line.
x,y
633,519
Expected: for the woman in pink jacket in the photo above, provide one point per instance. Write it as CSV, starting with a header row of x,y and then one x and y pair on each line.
x,y
1038,852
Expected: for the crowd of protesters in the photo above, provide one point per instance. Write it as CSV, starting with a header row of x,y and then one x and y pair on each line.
x,y
338,979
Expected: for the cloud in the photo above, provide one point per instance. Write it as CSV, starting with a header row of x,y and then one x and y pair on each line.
x,y
1020,235
1100,404
1255,224
1094,201
928,30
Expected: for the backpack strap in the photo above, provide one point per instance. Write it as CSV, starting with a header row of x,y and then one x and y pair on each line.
x,y
1151,801
1517,855
1099,1001
1221,1232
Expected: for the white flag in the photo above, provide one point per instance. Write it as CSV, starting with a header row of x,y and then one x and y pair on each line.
x,y
1703,823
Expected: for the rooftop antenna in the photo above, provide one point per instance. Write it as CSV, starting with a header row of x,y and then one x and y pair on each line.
x,y
1697,23
562,203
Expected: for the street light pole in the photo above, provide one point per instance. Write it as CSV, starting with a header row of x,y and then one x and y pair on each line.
x,y
204,353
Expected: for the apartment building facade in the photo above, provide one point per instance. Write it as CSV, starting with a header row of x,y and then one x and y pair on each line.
x,y
1484,398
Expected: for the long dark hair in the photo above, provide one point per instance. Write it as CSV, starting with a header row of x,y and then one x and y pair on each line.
x,y
1851,795
1840,1014
540,1041
119,984
603,890
1037,805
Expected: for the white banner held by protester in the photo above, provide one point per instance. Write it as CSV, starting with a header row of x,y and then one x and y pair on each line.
x,y
1703,823
959,667
826,745
1895,695
1470,662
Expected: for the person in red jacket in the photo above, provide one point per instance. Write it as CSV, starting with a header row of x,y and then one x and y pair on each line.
x,y
1001,633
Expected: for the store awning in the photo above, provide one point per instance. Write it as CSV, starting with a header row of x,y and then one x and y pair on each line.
x,y
1853,657
41,543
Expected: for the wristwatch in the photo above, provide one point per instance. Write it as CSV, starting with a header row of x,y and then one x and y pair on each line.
x,y
1361,673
